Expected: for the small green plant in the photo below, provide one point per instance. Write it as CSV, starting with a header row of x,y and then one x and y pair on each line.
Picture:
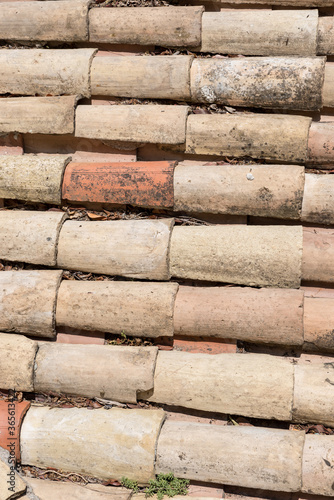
x,y
129,484
121,339
166,484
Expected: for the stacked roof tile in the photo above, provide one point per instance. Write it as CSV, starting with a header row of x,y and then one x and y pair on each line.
x,y
36,302
165,178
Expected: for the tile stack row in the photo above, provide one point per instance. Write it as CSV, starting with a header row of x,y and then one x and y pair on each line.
x,y
269,256
260,32
298,83
142,443
278,191
36,302
287,138
236,384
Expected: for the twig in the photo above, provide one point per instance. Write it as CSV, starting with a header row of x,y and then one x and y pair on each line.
x,y
63,475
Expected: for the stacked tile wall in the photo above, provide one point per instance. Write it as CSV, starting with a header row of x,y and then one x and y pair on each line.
x,y
166,182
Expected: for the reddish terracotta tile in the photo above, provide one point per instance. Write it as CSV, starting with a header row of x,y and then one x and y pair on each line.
x,y
163,347
321,142
197,417
326,115
317,292
318,255
73,336
205,345
11,144
103,101
197,490
147,184
113,52
11,416
309,359
80,149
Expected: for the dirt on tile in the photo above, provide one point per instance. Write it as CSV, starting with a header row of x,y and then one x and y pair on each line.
x,y
134,3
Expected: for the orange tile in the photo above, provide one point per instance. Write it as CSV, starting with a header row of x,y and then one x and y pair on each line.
x,y
11,416
205,345
73,336
147,184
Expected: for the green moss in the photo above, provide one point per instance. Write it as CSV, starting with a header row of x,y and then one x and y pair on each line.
x,y
129,484
167,484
